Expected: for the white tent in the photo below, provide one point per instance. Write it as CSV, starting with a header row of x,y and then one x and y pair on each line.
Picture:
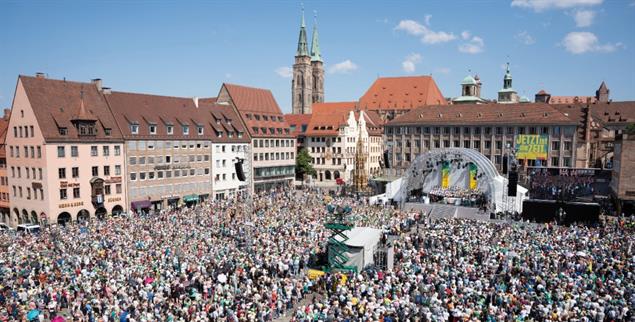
x,y
361,243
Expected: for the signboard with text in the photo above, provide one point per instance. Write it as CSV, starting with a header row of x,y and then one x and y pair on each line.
x,y
532,146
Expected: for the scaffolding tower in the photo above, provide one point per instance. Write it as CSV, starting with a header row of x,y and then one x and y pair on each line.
x,y
338,222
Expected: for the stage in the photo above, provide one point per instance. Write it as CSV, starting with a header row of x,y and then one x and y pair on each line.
x,y
458,176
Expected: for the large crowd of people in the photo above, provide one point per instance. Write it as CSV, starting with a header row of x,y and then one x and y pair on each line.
x,y
247,261
566,188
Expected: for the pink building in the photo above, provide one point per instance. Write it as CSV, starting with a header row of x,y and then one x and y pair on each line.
x,y
65,158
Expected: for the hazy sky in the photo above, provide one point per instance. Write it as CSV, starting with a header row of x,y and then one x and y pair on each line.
x,y
184,48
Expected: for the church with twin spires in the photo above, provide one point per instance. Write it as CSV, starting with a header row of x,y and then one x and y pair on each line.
x,y
307,86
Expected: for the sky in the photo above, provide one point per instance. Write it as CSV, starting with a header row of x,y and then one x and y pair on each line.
x,y
189,48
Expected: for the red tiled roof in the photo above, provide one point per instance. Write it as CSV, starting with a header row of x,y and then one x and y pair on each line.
x,y
327,118
614,113
570,99
252,99
259,110
296,121
473,114
401,93
146,110
56,103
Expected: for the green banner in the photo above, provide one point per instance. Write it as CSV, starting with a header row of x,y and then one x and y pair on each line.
x,y
473,173
445,175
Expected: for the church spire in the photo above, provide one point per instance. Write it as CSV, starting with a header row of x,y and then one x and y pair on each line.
x,y
302,42
315,42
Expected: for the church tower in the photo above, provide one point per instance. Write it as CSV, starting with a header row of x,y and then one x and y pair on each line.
x,y
602,94
317,65
507,95
302,84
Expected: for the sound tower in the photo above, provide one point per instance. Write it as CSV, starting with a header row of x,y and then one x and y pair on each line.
x,y
386,159
505,161
512,183
239,170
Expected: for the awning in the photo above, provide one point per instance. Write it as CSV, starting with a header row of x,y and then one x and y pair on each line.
x,y
190,198
141,204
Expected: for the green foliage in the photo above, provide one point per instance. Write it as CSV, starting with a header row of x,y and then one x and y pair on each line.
x,y
303,163
630,129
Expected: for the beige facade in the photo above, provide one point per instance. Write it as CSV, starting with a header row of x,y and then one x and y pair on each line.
x,y
333,156
273,162
165,173
407,142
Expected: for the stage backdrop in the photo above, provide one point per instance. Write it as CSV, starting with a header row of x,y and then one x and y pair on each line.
x,y
532,146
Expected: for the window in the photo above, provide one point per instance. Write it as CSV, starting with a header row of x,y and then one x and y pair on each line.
x,y
499,130
107,132
150,175
132,160
153,129
63,194
74,152
566,162
118,188
117,150
142,160
159,174
95,171
170,129
32,149
76,193
61,152
466,144
555,145
186,130
142,175
117,170
93,150
61,173
477,131
554,161
499,145
106,150
106,170
567,146
199,129
107,189
39,170
133,176
134,128
63,131
477,145
75,171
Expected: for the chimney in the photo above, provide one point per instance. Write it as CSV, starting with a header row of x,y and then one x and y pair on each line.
x,y
40,75
106,90
195,99
7,113
97,82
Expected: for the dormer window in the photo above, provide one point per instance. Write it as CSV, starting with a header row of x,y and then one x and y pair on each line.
x,y
240,135
199,129
107,131
255,129
153,129
265,117
220,134
134,128
63,131
230,134
170,129
186,130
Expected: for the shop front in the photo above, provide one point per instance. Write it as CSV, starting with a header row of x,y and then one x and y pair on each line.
x,y
191,200
141,206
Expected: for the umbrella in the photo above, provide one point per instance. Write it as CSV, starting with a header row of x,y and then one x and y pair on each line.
x,y
58,319
32,315
222,278
148,280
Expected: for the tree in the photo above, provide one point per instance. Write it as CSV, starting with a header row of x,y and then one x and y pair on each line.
x,y
303,164
630,129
